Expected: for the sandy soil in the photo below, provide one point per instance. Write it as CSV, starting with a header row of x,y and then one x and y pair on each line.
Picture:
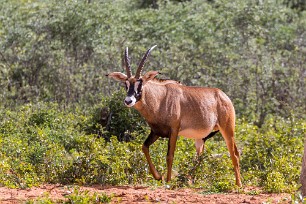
x,y
139,194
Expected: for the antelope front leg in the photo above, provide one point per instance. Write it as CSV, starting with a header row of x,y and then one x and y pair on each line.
x,y
145,148
170,154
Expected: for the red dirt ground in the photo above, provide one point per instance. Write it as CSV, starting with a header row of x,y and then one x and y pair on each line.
x,y
139,194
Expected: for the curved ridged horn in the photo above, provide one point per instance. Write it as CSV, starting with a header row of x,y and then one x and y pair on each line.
x,y
141,64
127,63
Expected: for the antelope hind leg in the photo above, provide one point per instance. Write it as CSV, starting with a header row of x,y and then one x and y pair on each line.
x,y
232,148
170,153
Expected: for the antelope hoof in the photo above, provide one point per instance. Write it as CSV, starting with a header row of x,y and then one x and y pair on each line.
x,y
158,177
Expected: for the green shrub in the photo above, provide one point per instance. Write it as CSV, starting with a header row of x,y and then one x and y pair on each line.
x,y
275,182
112,117
75,197
84,197
59,51
43,143
272,151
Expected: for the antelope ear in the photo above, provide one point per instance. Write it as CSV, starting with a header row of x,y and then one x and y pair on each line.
x,y
149,75
117,76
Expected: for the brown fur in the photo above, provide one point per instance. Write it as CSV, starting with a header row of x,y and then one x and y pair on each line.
x,y
192,112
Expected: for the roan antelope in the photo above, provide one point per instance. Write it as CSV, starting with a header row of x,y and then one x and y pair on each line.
x,y
172,109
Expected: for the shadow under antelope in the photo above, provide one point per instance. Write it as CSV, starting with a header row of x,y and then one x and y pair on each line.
x,y
172,109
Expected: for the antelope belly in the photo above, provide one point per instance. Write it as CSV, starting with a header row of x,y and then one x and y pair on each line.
x,y
194,134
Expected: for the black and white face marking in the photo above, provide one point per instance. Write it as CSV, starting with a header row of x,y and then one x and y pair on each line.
x,y
133,92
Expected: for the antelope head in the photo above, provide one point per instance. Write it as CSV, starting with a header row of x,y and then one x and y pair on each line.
x,y
134,84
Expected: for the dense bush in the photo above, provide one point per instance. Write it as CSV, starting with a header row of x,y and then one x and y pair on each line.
x,y
111,117
61,50
41,144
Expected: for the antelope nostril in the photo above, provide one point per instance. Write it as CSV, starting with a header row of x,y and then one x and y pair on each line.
x,y
127,102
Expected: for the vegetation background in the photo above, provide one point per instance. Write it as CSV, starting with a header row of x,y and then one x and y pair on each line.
x,y
62,121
